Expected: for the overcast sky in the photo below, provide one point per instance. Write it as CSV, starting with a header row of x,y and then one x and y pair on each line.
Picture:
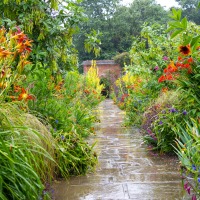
x,y
166,3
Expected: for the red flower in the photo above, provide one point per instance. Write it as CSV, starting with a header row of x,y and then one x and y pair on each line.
x,y
179,64
171,68
124,96
187,65
180,58
190,60
161,79
169,77
20,36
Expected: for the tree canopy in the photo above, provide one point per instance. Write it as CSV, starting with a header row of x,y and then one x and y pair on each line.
x,y
190,10
117,23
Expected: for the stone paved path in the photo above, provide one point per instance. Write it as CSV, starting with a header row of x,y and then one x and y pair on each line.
x,y
126,169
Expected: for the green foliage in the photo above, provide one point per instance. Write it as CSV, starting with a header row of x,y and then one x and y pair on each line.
x,y
150,55
92,43
33,151
75,156
118,24
50,24
122,59
66,104
187,149
189,31
190,9
26,154
161,89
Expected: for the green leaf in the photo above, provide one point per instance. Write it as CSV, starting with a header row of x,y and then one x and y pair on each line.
x,y
179,14
198,6
195,40
169,29
184,23
176,14
176,24
175,33
187,39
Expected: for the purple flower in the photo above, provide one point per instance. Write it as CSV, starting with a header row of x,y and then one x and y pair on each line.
x,y
154,137
198,179
156,68
160,122
194,197
194,167
165,58
163,111
56,121
172,110
184,112
149,131
62,137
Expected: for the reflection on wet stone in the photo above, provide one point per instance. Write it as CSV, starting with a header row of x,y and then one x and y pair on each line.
x,y
126,169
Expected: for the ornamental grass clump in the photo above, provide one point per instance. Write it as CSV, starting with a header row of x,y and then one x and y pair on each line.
x,y
26,154
187,148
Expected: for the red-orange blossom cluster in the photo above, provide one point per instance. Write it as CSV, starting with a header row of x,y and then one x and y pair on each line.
x,y
171,71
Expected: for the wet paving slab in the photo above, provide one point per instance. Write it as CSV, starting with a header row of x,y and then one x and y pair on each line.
x,y
126,169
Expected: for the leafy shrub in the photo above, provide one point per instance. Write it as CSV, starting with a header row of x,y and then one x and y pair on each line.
x,y
123,59
161,117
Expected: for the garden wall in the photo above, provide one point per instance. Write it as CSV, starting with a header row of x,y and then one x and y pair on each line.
x,y
106,68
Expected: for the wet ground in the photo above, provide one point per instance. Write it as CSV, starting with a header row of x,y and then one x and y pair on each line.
x,y
126,170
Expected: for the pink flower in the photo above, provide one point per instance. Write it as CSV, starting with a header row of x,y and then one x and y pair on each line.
x,y
165,58
194,197
187,187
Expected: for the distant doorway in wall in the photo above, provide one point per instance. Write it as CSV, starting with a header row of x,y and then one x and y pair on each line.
x,y
106,90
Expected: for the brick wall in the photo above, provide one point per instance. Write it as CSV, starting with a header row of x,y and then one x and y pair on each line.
x,y
106,68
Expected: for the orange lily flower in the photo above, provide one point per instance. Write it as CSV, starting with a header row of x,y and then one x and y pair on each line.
x,y
25,96
28,43
17,88
21,47
2,39
20,37
4,53
13,98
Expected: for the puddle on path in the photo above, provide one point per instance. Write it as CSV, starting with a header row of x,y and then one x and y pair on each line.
x,y
126,169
